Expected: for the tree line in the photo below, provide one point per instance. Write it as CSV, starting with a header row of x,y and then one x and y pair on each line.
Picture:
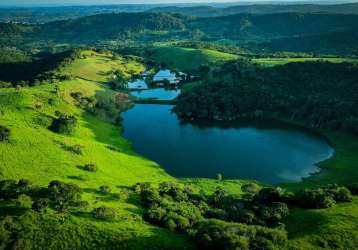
x,y
318,94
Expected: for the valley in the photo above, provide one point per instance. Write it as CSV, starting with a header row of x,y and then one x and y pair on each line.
x,y
179,128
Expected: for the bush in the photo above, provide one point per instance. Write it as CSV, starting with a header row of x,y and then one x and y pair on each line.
x,y
4,133
105,189
155,215
64,124
215,213
251,188
64,195
24,201
8,189
105,213
268,195
341,194
150,196
77,149
215,234
90,167
272,214
353,188
181,223
40,205
24,183
314,199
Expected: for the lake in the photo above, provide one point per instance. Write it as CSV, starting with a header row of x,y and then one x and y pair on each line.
x,y
270,153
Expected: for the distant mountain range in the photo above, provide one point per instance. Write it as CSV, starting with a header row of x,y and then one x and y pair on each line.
x,y
210,11
309,32
47,14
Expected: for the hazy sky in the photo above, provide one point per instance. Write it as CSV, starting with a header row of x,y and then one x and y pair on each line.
x,y
98,2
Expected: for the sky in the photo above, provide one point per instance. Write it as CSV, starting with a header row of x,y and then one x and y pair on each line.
x,y
27,3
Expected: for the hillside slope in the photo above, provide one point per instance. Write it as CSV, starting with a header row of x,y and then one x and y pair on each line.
x,y
187,59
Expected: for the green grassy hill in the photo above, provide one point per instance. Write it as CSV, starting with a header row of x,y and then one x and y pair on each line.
x,y
188,59
281,61
37,154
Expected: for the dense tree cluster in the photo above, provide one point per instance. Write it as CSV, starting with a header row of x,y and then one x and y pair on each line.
x,y
227,221
319,94
58,195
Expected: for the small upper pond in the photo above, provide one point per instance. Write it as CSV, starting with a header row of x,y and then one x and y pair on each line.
x,y
267,152
158,93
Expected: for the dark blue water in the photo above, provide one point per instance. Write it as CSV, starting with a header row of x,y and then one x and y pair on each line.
x,y
267,153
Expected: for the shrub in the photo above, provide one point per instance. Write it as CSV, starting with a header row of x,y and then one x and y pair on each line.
x,y
215,234
272,214
4,133
155,215
77,149
353,188
172,190
268,195
105,189
215,213
91,167
105,213
246,216
24,183
64,195
251,188
314,199
8,189
24,201
5,236
341,194
64,124
181,223
150,196
141,186
40,205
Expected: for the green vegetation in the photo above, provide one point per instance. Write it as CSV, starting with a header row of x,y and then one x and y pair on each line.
x,y
187,59
313,93
60,132
39,155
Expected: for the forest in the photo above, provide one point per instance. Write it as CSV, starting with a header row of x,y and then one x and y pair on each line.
x,y
318,94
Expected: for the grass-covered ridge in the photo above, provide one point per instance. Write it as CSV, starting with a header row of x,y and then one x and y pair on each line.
x,y
188,59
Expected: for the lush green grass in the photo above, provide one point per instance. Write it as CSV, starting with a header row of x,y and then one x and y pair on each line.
x,y
97,67
330,228
281,61
188,59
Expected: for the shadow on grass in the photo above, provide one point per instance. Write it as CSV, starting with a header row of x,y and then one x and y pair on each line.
x,y
101,196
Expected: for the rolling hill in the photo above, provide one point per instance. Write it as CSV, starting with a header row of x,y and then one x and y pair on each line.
x,y
331,33
211,11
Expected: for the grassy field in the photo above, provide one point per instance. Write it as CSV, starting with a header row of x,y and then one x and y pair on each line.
x,y
281,61
40,155
188,59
